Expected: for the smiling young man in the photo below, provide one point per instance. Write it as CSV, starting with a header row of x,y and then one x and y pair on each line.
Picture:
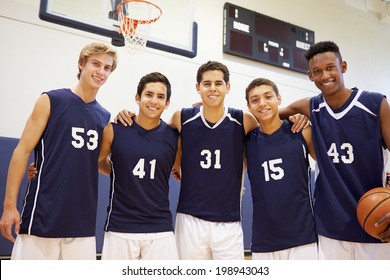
x,y
65,128
208,221
351,136
139,221
279,172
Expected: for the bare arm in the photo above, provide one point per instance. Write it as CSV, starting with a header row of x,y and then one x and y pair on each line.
x,y
176,169
250,122
301,106
32,132
385,122
306,132
175,121
105,150
298,113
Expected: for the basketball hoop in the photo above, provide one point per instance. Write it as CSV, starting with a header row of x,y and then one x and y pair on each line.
x,y
135,17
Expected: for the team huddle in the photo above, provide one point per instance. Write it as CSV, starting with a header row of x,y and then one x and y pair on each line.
x,y
207,148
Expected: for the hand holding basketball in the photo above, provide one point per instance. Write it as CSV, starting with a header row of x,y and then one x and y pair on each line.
x,y
372,206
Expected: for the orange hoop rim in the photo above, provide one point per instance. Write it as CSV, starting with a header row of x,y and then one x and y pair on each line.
x,y
138,21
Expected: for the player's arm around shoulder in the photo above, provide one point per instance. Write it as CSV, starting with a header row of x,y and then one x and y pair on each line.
x,y
307,135
385,121
105,150
301,106
298,113
250,122
32,132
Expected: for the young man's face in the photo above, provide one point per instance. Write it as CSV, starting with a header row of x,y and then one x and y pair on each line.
x,y
326,71
153,100
213,88
263,102
96,70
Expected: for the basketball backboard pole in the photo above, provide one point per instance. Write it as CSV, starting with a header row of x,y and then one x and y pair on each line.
x,y
117,39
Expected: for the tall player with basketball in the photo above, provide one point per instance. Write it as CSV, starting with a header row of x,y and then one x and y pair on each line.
x,y
279,171
65,128
139,221
351,130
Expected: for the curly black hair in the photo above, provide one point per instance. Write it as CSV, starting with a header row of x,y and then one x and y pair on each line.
x,y
321,47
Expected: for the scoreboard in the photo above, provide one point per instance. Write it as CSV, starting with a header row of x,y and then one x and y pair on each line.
x,y
265,39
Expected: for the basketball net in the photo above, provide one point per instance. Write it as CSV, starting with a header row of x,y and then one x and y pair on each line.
x,y
135,17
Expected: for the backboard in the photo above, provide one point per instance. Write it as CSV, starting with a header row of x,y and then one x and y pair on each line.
x,y
175,32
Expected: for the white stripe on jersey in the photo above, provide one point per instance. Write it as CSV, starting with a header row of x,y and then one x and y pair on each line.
x,y
38,187
338,116
112,196
200,114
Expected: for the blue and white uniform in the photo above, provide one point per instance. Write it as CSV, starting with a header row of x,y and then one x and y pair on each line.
x,y
279,170
142,162
139,220
62,201
208,221
212,165
351,137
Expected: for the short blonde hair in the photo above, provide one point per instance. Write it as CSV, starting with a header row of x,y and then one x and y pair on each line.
x,y
97,48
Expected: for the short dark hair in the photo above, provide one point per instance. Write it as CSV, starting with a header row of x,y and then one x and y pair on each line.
x,y
154,77
259,82
213,65
321,47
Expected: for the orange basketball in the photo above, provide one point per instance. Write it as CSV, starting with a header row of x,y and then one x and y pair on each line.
x,y
372,206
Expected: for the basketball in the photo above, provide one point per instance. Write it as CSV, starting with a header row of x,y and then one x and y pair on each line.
x,y
372,206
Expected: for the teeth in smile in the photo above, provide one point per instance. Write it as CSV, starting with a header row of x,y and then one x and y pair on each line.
x,y
96,78
213,96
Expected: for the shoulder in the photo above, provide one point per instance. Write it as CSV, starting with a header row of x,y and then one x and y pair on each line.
x,y
235,111
189,111
106,114
372,95
168,128
62,92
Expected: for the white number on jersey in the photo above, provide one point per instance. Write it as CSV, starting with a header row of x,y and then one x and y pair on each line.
x,y
139,169
206,163
277,173
78,141
345,148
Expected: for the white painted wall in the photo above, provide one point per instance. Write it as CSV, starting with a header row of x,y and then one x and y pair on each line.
x,y
38,56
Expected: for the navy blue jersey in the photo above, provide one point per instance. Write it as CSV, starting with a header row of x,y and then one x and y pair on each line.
x,y
212,163
350,157
142,163
278,171
62,201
